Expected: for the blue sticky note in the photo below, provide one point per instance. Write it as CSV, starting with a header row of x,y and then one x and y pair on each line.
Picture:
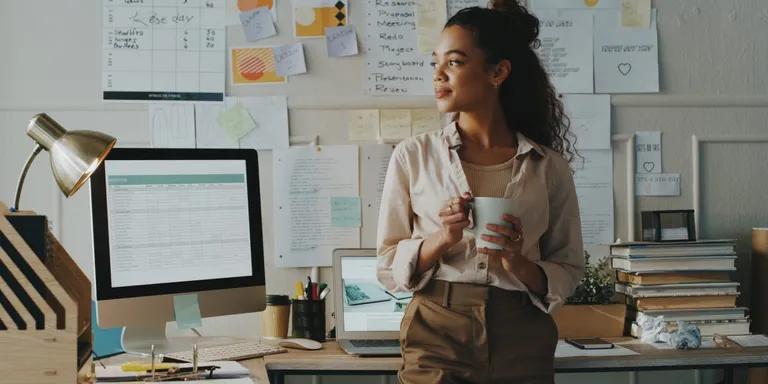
x,y
106,341
345,211
186,309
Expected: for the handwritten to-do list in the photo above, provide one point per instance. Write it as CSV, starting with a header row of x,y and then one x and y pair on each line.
x,y
157,50
394,64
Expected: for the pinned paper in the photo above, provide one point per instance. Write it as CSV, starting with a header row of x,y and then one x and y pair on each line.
x,y
659,184
626,59
636,13
257,24
363,125
289,59
395,123
457,5
236,121
254,66
430,19
345,212
424,120
341,41
186,310
648,152
566,49
311,17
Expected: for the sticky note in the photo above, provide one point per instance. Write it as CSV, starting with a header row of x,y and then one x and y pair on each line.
x,y
345,211
341,41
395,123
636,13
363,125
186,310
289,59
106,341
257,24
236,121
424,120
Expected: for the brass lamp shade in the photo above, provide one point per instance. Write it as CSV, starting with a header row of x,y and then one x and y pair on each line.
x,y
74,155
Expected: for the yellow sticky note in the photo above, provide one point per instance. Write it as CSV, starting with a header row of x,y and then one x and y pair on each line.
x,y
236,121
636,13
395,123
363,125
424,120
430,18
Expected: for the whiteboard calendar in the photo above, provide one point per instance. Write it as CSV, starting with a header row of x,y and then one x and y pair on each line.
x,y
163,50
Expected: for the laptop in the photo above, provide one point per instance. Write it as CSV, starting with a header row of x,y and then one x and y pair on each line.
x,y
367,315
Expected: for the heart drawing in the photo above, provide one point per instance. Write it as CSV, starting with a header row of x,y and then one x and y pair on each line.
x,y
648,166
625,68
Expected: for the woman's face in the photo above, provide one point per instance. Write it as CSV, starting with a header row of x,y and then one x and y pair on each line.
x,y
462,80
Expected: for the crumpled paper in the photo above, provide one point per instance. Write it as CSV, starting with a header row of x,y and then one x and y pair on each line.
x,y
687,336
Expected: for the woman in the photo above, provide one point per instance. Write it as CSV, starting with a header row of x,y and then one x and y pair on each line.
x,y
481,315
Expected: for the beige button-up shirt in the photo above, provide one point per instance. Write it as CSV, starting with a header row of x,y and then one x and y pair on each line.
x,y
426,170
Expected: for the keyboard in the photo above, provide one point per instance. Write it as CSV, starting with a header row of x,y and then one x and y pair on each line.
x,y
231,352
375,343
354,293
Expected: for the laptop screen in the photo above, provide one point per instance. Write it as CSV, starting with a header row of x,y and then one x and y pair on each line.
x,y
368,307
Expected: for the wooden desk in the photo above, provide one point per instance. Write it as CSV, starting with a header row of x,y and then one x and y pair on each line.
x,y
332,360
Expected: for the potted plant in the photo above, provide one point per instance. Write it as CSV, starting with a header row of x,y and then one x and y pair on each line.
x,y
589,311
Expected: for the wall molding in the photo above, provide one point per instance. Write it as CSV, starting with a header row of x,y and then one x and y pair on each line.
x,y
629,140
310,103
695,163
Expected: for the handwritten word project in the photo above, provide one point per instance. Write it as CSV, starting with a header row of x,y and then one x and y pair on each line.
x,y
394,66
159,50
341,41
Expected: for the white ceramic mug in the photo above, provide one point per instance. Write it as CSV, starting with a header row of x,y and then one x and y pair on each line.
x,y
488,210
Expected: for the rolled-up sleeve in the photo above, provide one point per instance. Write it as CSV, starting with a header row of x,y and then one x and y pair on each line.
x,y
397,248
562,249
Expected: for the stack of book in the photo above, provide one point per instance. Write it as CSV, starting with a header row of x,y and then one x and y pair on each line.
x,y
686,281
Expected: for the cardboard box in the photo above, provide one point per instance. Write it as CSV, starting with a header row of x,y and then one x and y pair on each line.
x,y
605,320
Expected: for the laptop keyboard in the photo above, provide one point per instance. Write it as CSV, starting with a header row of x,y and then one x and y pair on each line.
x,y
375,343
354,293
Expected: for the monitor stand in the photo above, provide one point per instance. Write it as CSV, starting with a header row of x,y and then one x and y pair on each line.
x,y
139,340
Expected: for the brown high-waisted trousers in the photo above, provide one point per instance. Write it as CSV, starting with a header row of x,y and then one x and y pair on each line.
x,y
466,333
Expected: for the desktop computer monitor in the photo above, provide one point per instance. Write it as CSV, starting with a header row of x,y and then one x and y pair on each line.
x,y
170,222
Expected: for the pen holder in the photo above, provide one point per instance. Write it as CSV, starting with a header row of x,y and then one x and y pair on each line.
x,y
308,317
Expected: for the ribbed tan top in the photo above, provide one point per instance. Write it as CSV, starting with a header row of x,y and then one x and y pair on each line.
x,y
488,180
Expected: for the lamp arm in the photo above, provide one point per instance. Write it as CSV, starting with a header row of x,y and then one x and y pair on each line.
x,y
23,176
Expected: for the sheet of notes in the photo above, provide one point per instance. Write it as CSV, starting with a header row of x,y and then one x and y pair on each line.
x,y
157,50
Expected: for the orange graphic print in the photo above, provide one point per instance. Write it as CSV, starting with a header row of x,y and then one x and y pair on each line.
x,y
311,21
247,5
254,66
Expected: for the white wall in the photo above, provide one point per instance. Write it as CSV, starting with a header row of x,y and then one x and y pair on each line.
x,y
714,81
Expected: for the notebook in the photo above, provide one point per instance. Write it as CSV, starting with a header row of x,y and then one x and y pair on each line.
x,y
367,315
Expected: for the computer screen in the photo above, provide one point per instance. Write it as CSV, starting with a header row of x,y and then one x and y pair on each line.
x,y
368,306
175,221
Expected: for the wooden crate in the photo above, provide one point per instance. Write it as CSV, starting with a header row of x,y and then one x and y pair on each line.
x,y
45,311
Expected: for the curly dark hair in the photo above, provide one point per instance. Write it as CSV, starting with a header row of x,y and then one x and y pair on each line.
x,y
508,31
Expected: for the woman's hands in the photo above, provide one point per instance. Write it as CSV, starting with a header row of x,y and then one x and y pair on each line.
x,y
510,239
454,216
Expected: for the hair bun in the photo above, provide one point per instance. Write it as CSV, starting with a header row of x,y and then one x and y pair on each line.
x,y
524,25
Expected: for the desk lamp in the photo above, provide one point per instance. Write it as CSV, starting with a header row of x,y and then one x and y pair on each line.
x,y
74,155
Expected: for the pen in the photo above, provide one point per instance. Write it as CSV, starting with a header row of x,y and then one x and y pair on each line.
x,y
308,289
315,293
299,290
324,293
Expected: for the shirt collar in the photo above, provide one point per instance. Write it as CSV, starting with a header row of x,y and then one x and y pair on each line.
x,y
524,144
